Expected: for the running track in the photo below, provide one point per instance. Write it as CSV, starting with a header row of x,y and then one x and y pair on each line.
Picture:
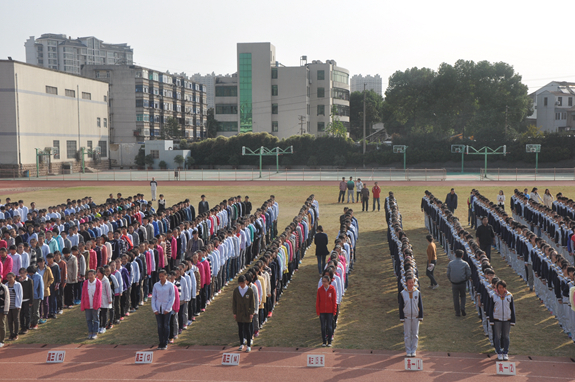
x,y
116,363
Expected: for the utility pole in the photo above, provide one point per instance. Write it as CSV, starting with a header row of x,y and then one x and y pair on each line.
x,y
506,110
301,122
364,118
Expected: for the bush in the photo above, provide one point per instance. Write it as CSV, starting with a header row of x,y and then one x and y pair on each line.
x,y
312,161
163,165
190,161
340,161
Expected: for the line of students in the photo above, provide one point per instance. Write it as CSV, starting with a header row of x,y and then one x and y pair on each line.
x,y
405,270
556,229
127,259
334,278
262,285
494,304
534,259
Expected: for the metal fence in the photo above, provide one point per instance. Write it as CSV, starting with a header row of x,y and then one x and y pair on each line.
x,y
251,175
518,174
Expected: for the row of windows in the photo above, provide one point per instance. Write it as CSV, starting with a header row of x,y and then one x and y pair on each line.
x,y
226,91
560,116
167,79
228,126
70,93
338,76
226,109
72,150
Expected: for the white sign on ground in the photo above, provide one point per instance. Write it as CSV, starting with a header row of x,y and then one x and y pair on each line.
x,y
55,356
144,357
413,364
506,368
314,360
231,359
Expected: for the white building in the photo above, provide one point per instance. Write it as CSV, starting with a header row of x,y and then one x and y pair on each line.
x,y
208,80
41,109
56,51
143,100
371,83
554,109
266,96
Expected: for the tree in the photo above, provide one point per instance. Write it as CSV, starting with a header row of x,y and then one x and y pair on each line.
x,y
336,127
149,160
373,112
140,158
179,160
172,130
163,165
190,161
211,124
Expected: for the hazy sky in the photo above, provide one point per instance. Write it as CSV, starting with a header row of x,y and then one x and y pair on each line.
x,y
366,37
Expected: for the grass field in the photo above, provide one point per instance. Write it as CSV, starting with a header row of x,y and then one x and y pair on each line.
x,y
369,317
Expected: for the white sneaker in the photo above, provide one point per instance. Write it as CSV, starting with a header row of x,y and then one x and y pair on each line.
x,y
248,349
408,354
413,354
1,344
241,347
505,357
500,357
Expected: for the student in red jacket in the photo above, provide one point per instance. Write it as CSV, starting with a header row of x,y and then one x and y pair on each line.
x,y
91,303
326,307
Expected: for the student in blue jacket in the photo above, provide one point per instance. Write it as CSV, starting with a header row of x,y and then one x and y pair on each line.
x,y
411,314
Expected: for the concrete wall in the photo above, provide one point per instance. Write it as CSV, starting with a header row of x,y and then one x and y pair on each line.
x,y
292,101
123,154
166,153
30,118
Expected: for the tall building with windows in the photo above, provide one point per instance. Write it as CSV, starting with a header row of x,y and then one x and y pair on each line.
x,y
56,51
371,83
48,118
553,107
208,80
143,101
266,96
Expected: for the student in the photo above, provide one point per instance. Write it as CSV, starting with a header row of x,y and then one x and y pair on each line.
x,y
161,204
375,192
358,188
431,262
48,280
502,317
243,309
38,284
71,275
27,299
4,310
320,240
15,290
501,199
153,188
54,287
326,308
106,305
458,272
451,200
350,187
411,314
342,188
365,198
91,302
163,297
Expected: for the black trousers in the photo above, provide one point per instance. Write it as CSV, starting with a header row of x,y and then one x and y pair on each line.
x,y
341,196
25,315
245,332
103,317
365,204
458,291
487,250
117,309
69,294
430,274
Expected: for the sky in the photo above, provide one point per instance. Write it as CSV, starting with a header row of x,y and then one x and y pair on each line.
x,y
363,36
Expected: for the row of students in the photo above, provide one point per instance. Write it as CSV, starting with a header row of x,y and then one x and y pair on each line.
x,y
125,249
494,304
556,229
407,276
261,286
334,278
543,269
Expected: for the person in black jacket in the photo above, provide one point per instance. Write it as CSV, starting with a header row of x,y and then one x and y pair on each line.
x,y
248,204
321,250
451,200
486,236
203,206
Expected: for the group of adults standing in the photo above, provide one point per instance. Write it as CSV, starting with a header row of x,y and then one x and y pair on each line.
x,y
357,191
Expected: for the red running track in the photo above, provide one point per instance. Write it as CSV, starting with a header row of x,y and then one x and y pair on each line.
x,y
116,363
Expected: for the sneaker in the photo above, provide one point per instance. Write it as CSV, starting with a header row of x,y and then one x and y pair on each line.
x,y
463,313
505,357
42,321
185,327
241,348
90,337
1,344
189,323
127,314
500,357
121,318
203,310
141,303
323,345
257,334
60,311
407,354
197,313
413,354
248,349
180,331
171,341
34,327
95,336
150,296
435,286
329,345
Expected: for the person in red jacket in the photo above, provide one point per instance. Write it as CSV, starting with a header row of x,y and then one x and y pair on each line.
x,y
375,191
326,307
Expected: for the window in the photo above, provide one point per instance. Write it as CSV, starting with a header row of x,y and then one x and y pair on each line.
x,y
71,149
321,126
70,93
105,98
86,95
341,110
274,73
51,90
106,122
227,126
226,109
142,103
226,91
320,92
155,154
339,93
321,75
245,83
98,122
560,101
545,101
338,76
89,144
56,145
274,126
103,148
274,90
570,102
274,108
142,118
320,109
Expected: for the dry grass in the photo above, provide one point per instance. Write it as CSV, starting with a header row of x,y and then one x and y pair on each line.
x,y
369,313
